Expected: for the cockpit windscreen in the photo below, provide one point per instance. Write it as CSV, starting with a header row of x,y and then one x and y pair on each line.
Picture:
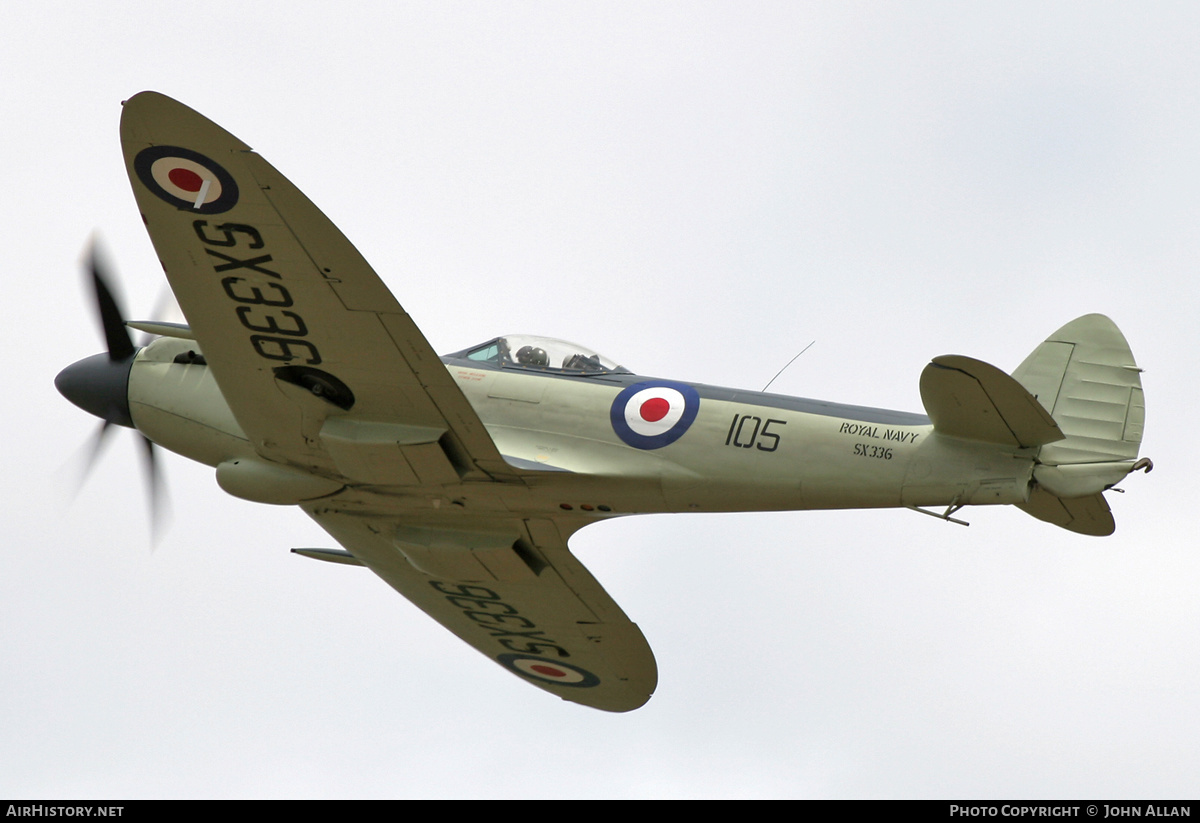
x,y
526,351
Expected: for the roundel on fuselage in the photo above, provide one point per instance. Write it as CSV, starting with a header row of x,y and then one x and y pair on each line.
x,y
654,413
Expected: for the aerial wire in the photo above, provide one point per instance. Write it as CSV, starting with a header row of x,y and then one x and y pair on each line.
x,y
790,362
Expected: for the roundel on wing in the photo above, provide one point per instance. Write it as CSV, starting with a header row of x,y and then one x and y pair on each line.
x,y
186,179
545,670
654,413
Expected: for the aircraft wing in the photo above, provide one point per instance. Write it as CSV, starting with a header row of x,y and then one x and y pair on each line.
x,y
512,590
326,373
285,309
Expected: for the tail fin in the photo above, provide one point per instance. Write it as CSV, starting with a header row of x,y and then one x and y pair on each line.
x,y
1076,403
1085,376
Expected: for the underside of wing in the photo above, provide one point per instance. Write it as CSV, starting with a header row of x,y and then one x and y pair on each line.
x,y
317,360
511,589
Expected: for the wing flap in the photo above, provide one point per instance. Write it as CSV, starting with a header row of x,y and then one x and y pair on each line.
x,y
549,622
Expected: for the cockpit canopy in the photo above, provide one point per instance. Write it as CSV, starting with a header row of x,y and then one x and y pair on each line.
x,y
527,351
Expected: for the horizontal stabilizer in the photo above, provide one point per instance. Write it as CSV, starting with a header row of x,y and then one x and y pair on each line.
x,y
1088,515
971,399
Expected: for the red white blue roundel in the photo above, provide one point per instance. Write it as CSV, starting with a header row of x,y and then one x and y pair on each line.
x,y
654,413
186,179
546,670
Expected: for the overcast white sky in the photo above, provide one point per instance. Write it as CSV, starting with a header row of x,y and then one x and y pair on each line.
x,y
697,190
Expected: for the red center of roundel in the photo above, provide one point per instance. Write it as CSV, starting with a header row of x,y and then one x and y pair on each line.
x,y
549,671
186,179
654,409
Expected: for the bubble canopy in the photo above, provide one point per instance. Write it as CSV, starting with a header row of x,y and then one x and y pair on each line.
x,y
527,351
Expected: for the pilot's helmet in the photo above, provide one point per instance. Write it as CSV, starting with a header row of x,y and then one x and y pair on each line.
x,y
533,356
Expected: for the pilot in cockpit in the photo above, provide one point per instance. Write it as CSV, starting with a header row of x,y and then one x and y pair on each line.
x,y
533,357
581,362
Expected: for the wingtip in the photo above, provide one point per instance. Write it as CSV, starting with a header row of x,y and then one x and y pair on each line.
x,y
154,118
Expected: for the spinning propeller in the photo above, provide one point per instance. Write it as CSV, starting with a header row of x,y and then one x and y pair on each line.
x,y
100,384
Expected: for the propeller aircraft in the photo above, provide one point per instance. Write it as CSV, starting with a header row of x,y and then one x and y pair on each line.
x,y
460,479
